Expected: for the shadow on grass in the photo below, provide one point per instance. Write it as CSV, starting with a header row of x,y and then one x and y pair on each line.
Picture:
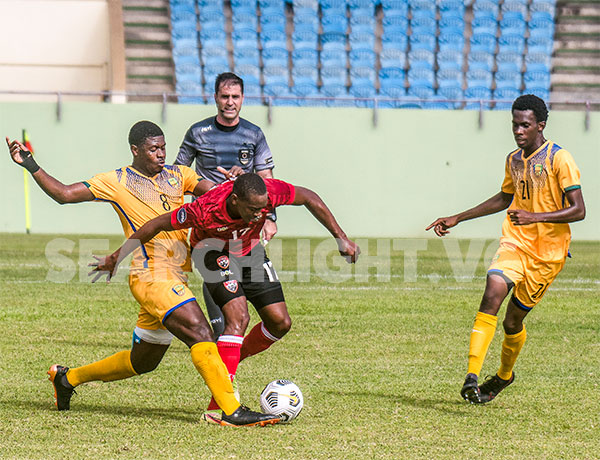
x,y
177,414
448,406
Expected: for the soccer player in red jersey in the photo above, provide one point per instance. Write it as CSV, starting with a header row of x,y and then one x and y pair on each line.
x,y
226,224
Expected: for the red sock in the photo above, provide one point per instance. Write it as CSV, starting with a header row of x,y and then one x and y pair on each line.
x,y
257,340
229,349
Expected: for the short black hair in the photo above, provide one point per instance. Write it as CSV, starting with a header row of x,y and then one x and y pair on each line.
x,y
533,103
228,77
142,130
248,184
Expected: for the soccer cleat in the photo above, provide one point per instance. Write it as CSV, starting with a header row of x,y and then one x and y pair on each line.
x,y
246,417
470,390
212,416
492,386
62,394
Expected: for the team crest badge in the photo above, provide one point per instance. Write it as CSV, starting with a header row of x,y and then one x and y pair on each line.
x,y
173,182
178,289
181,215
223,262
538,169
244,156
231,286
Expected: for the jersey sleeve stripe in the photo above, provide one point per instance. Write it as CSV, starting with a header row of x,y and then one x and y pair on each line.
x,y
572,187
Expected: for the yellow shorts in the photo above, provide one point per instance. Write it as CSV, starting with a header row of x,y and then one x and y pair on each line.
x,y
530,276
158,299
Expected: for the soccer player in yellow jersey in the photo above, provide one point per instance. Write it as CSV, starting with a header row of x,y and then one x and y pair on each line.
x,y
542,192
138,193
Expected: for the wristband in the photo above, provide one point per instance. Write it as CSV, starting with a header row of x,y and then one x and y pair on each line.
x,y
272,216
28,162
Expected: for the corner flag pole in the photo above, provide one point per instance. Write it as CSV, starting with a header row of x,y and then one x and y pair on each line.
x,y
26,186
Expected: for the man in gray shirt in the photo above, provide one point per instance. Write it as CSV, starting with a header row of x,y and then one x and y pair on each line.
x,y
227,140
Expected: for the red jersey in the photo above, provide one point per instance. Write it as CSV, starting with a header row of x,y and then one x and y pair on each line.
x,y
208,217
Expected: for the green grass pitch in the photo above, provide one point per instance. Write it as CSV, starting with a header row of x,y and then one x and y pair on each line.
x,y
380,364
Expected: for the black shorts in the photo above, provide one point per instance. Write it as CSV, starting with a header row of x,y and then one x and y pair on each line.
x,y
228,277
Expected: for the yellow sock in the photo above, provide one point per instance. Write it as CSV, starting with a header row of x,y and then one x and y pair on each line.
x,y
482,334
205,357
511,347
115,367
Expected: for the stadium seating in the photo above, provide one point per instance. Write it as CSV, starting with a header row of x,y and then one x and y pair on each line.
x,y
508,79
362,57
449,77
363,91
479,78
451,41
538,61
390,57
478,97
333,58
420,77
305,75
514,9
450,59
483,42
508,95
454,94
421,58
332,76
511,43
509,61
480,60
513,25
394,40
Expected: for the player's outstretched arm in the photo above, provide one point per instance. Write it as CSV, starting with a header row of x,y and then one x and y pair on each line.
x,y
314,203
498,202
573,213
59,192
108,265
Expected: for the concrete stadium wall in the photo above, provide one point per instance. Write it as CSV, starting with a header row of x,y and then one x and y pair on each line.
x,y
391,180
54,45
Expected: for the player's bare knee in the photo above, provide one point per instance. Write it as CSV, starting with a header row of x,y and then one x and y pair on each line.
x,y
279,326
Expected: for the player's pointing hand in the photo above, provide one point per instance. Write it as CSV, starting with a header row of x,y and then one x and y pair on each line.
x,y
441,225
104,266
15,147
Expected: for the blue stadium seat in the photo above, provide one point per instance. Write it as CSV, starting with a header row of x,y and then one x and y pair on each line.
x,y
333,40
508,79
305,90
273,39
277,20
390,57
480,60
484,25
452,24
422,41
275,74
306,17
485,8
272,3
422,8
305,56
542,93
514,10
332,4
450,59
210,72
193,91
479,77
244,37
186,47
249,73
513,25
246,55
183,2
397,40
483,42
303,74
211,14
420,77
395,6
423,25
362,57
536,79
421,58
305,39
213,55
241,3
333,58
540,45
362,23
449,77
478,97
188,69
395,22
214,33
509,61
182,11
362,75
452,9
362,4
334,24
336,91
334,76
454,94
541,11
451,41
366,92
538,61
541,27
278,90
511,43
508,95
184,29
423,92
392,74
275,56
362,39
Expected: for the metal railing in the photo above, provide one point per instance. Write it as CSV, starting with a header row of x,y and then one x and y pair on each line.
x,y
372,103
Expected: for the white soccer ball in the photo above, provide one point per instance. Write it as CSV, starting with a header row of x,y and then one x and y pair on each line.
x,y
283,398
